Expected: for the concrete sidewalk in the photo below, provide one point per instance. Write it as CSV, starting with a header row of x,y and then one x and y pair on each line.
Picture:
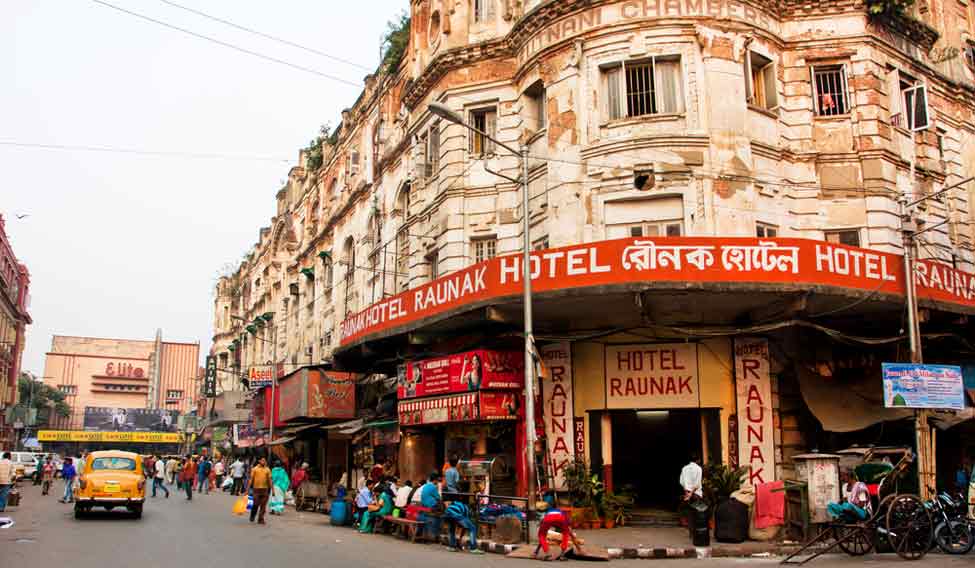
x,y
674,542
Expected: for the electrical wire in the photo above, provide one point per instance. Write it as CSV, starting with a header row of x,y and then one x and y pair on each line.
x,y
160,153
230,45
265,35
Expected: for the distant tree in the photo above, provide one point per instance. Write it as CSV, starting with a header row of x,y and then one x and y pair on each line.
x,y
38,395
395,41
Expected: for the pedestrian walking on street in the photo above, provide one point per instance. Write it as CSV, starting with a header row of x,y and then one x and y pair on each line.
x,y
172,471
187,476
218,470
260,482
279,489
6,479
237,474
68,473
159,477
203,475
47,476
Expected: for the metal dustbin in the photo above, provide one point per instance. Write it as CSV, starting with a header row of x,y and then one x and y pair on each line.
x,y
698,523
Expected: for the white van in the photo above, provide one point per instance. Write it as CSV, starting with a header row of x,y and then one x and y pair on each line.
x,y
25,463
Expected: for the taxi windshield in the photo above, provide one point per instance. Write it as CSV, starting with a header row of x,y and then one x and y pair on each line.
x,y
114,464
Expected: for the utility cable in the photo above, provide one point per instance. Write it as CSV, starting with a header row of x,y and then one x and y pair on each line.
x,y
264,35
229,45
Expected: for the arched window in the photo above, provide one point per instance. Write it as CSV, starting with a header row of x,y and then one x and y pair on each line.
x,y
333,188
403,200
348,258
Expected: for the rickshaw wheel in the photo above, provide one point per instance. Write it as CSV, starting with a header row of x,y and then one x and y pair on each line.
x,y
909,527
299,499
858,544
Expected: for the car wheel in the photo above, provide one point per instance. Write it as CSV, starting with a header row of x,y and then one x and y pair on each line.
x,y
79,511
136,512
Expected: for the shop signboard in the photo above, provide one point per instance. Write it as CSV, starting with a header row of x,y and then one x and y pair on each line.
x,y
913,385
451,408
784,263
579,436
500,405
557,409
462,372
753,389
312,393
85,436
652,376
99,418
261,376
210,378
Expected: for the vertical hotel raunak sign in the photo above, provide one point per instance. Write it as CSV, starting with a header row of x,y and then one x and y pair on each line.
x,y
557,409
753,389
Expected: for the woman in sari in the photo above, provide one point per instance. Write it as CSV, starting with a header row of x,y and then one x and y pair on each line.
x,y
383,507
279,487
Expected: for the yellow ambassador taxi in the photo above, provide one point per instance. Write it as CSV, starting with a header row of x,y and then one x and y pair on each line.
x,y
111,479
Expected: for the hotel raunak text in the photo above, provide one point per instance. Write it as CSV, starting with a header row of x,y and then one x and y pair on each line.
x,y
784,261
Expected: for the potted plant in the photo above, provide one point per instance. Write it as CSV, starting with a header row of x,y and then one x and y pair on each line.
x,y
720,481
618,506
586,492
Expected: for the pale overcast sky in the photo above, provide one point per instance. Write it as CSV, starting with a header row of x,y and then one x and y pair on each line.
x,y
120,244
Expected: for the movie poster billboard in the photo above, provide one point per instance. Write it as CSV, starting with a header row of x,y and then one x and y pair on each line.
x,y
117,419
471,371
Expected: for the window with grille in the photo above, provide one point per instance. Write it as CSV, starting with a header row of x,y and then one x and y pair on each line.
x,y
484,120
760,87
540,244
433,261
433,151
643,88
485,249
402,260
174,394
483,10
68,389
850,237
829,90
766,231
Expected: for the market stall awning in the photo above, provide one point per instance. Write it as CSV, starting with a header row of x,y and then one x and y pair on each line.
x,y
350,427
280,441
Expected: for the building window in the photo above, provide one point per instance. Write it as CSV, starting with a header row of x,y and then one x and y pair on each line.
x,y
430,148
535,103
760,88
644,87
486,121
673,228
68,390
174,394
483,10
485,249
940,138
403,260
915,100
850,237
766,231
829,90
433,261
540,244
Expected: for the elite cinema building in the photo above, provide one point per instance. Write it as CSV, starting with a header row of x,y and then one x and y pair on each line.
x,y
719,196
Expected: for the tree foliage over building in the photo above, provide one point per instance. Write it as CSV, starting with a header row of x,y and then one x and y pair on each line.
x,y
395,42
38,395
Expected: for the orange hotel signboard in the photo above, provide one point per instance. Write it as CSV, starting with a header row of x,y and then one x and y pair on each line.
x,y
784,261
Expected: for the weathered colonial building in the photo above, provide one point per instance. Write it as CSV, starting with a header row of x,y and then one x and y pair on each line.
x,y
14,318
718,195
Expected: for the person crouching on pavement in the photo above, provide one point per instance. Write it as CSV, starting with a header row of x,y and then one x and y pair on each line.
x,y
458,516
553,519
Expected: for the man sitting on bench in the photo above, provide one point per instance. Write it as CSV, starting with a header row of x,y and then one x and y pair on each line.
x,y
458,515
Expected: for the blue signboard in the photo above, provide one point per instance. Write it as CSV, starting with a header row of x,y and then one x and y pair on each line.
x,y
912,385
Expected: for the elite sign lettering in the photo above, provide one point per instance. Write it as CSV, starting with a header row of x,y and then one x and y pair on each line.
x,y
784,262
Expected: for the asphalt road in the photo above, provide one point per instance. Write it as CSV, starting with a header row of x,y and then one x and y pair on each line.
x,y
203,533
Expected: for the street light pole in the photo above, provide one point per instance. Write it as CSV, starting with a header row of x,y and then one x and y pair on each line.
x,y
444,112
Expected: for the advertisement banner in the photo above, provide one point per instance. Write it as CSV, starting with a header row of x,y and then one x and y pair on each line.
x,y
753,390
311,393
453,408
911,385
462,372
783,263
134,437
262,375
99,418
245,436
500,405
557,409
649,376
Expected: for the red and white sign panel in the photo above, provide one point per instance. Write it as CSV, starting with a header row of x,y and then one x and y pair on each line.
x,y
652,375
753,388
501,405
453,408
463,372
557,410
666,259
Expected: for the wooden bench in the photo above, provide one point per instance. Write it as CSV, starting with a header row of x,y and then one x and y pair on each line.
x,y
404,527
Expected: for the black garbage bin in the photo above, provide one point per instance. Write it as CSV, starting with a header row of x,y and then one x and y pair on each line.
x,y
698,523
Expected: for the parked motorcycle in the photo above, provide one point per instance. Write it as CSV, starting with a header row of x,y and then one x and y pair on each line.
x,y
953,532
